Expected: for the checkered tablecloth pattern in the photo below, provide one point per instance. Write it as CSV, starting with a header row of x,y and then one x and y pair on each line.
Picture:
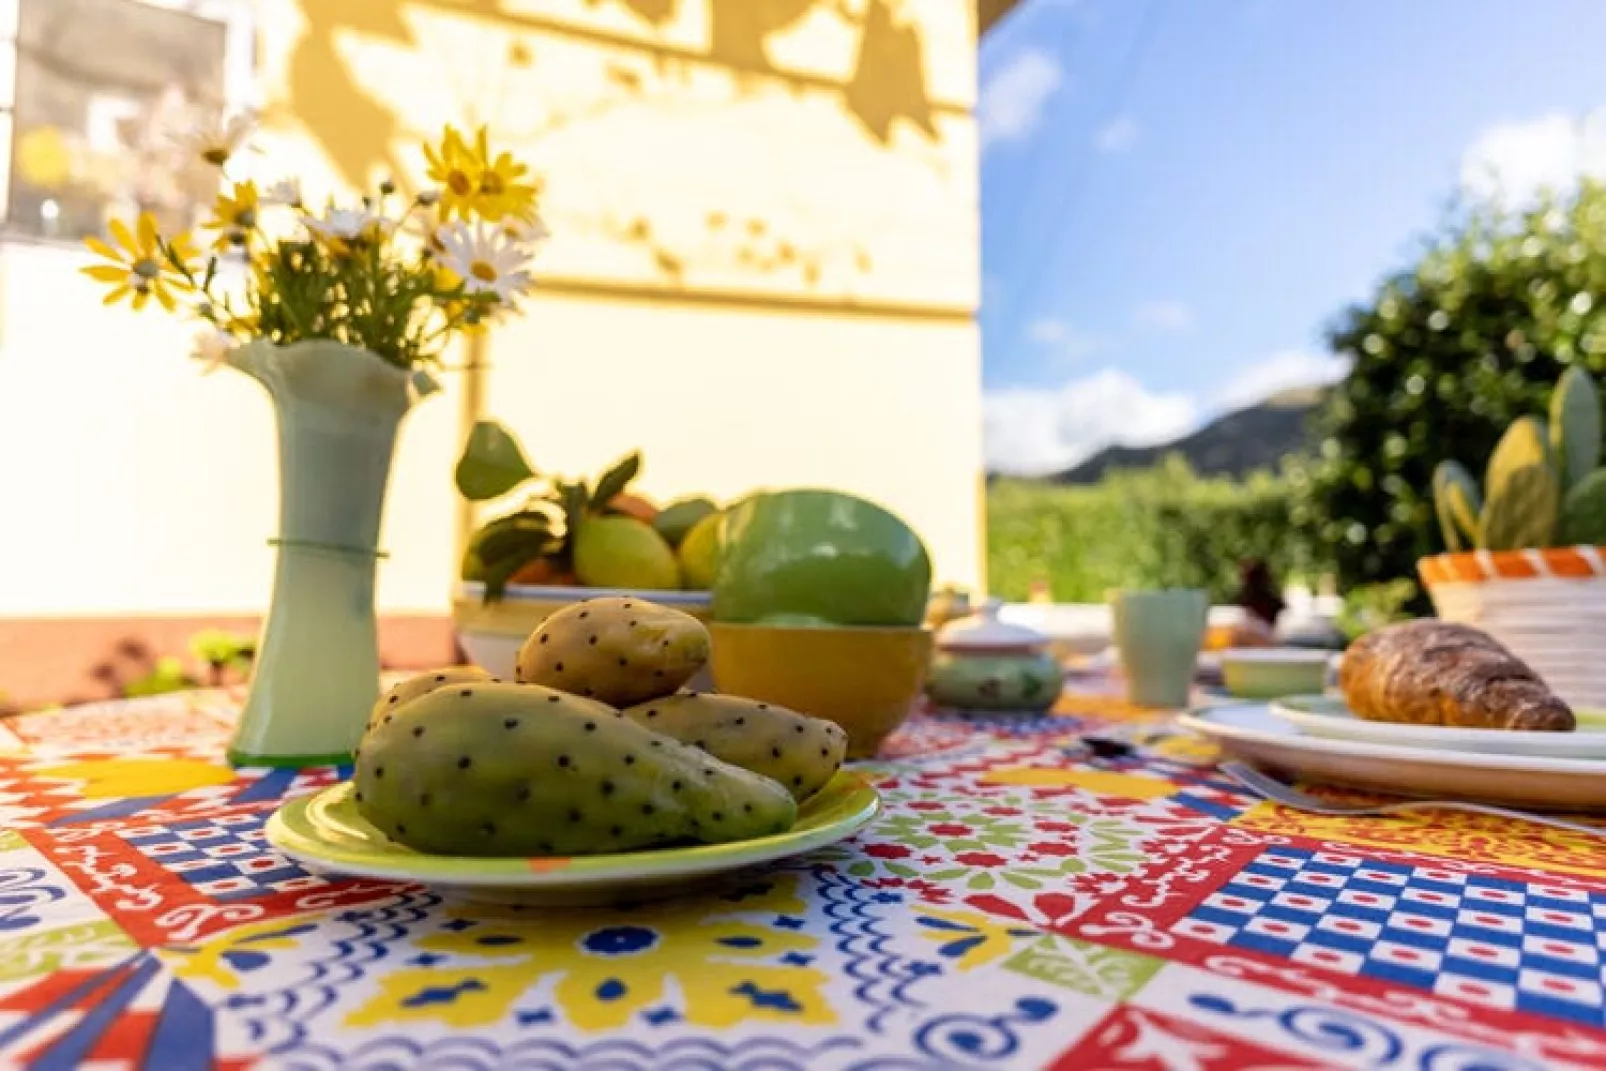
x,y
1027,900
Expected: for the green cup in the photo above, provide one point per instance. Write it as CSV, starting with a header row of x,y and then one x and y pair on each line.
x,y
1158,634
820,557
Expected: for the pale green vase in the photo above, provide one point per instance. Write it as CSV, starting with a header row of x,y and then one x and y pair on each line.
x,y
317,666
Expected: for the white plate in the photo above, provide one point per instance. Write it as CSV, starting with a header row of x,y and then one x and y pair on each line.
x,y
1329,716
1252,732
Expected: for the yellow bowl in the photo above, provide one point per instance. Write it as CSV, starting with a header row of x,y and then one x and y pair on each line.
x,y
492,633
864,679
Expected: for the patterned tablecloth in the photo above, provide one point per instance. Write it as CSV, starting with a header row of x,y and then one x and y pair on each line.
x,y
1024,902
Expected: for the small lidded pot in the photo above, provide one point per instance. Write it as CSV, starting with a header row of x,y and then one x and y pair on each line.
x,y
983,663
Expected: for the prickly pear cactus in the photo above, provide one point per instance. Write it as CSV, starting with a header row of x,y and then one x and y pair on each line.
x,y
801,753
619,650
1526,443
1575,426
1583,512
1522,509
1457,502
413,687
520,770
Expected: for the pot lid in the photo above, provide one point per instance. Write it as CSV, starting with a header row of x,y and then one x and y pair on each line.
x,y
982,631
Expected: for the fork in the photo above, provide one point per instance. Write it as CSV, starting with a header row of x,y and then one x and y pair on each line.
x,y
1274,790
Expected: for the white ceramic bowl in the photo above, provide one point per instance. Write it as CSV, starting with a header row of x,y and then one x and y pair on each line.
x,y
1275,672
492,633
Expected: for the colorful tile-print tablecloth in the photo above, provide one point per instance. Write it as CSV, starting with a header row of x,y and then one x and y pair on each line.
x,y
1025,902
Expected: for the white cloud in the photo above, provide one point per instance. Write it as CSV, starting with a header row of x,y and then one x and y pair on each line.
x,y
1010,104
1279,372
1031,432
1118,135
1169,316
1512,162
1064,340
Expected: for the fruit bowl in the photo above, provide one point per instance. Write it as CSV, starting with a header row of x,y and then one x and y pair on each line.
x,y
865,678
491,633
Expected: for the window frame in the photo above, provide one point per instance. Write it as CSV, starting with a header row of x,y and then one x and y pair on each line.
x,y
240,87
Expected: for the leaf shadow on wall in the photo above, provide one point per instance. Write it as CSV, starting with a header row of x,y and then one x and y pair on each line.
x,y
356,130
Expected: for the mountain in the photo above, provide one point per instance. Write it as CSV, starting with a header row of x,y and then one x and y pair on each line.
x,y
1236,444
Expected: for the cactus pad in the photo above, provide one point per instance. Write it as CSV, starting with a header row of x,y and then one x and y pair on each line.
x,y
511,770
1526,443
1583,512
801,753
1458,503
1575,426
1521,510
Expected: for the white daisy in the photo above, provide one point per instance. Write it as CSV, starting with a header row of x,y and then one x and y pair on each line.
x,y
348,224
284,192
530,231
215,143
486,259
212,349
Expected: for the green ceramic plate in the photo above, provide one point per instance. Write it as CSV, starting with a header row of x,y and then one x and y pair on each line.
x,y
325,833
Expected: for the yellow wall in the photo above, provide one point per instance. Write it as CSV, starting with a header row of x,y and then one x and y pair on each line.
x,y
763,273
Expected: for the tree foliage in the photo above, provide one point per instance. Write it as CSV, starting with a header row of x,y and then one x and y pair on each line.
x,y
1445,355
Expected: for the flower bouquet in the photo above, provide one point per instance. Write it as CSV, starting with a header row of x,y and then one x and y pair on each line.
x,y
342,313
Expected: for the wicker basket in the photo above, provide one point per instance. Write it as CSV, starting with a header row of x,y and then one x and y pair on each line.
x,y
1548,606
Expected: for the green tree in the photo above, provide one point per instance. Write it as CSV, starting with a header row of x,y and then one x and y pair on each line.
x,y
1444,356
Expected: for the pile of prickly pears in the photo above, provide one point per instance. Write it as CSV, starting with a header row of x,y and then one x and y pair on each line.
x,y
1544,487
595,748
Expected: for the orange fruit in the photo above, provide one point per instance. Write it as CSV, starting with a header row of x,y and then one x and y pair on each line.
x,y
633,506
542,572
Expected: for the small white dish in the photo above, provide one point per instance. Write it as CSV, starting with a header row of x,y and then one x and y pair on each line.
x,y
1272,672
1329,716
1251,731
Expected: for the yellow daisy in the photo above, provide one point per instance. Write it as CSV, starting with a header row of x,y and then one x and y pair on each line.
x,y
501,193
235,215
455,168
140,268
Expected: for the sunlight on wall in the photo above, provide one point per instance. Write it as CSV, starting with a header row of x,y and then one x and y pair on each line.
x,y
763,273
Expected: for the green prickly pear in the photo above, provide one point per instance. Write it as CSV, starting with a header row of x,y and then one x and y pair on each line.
x,y
1575,426
1525,443
801,753
520,770
1583,512
620,650
1521,510
1457,501
413,687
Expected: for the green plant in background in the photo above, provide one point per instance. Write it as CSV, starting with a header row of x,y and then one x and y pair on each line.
x,y
167,675
1164,526
1444,358
225,653
1544,485
1371,606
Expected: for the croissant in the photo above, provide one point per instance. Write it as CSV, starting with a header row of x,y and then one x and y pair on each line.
x,y
1431,672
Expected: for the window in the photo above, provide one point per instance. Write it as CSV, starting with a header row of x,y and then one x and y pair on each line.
x,y
98,92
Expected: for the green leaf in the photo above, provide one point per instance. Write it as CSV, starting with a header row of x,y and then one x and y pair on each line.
x,y
983,880
902,871
492,463
861,869
505,546
1022,880
616,479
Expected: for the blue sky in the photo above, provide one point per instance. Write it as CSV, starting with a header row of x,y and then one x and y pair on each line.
x,y
1177,195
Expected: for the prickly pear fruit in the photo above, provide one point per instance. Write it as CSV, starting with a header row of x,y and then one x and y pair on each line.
x,y
1526,442
1521,510
512,769
801,753
620,650
622,552
1575,426
1583,512
678,518
413,687
1457,502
